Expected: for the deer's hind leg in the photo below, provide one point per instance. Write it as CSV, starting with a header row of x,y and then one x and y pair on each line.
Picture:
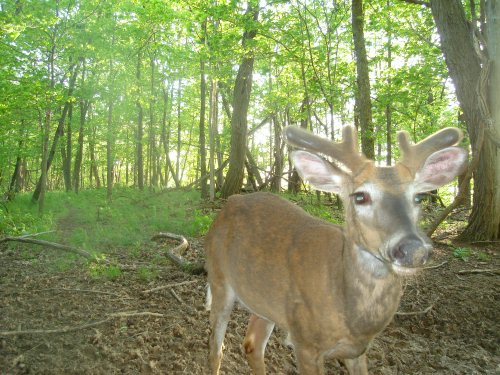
x,y
258,332
222,302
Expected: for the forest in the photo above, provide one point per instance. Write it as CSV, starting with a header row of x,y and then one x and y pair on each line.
x,y
123,119
158,94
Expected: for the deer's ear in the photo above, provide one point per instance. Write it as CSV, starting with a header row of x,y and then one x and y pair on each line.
x,y
321,174
440,168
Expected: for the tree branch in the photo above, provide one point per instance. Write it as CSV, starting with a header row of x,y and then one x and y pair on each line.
x,y
54,245
123,314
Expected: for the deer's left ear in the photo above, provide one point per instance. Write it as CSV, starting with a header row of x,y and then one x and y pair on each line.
x,y
440,168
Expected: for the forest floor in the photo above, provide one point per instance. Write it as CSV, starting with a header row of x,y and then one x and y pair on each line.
x,y
77,323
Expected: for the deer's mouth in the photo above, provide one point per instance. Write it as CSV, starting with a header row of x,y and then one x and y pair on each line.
x,y
379,264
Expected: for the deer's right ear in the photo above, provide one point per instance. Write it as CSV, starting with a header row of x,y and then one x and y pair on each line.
x,y
321,174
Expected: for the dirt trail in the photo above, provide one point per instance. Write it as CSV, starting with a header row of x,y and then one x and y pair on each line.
x,y
459,333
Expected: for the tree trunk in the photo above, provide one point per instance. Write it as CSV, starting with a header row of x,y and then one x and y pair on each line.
x,y
388,108
14,181
84,106
58,133
165,139
201,139
278,156
153,175
66,153
214,104
363,100
93,163
179,134
468,69
241,100
140,128
294,180
109,152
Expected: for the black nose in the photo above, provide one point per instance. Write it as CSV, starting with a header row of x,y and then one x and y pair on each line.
x,y
410,251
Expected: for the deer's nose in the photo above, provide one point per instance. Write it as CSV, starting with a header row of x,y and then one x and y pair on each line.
x,y
410,251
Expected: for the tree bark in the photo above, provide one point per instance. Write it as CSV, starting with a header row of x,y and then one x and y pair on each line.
x,y
140,128
213,135
48,162
363,100
165,139
66,153
153,175
84,106
241,99
468,69
14,181
109,152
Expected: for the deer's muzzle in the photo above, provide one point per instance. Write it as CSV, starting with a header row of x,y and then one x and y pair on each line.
x,y
411,251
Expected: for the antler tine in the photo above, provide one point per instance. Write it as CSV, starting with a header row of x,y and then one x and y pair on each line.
x,y
346,152
414,155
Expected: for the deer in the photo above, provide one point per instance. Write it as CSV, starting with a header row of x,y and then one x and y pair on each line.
x,y
332,288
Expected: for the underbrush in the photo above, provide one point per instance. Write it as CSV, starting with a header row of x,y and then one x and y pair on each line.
x,y
119,229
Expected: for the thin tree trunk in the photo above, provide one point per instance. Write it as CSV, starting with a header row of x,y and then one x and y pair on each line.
x,y
93,162
109,152
14,181
152,134
278,156
363,100
140,128
166,140
201,140
48,160
241,99
84,106
66,153
178,158
212,136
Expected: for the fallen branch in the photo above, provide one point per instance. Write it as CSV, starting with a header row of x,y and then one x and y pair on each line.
x,y
54,245
488,270
193,269
123,314
415,312
169,286
436,266
184,245
80,291
172,292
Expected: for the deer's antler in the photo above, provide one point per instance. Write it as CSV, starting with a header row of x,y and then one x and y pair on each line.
x,y
414,155
345,152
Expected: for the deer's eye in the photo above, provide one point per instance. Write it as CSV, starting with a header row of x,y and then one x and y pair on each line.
x,y
418,198
361,198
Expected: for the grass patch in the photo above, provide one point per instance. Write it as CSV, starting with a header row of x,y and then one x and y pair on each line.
x,y
104,271
87,220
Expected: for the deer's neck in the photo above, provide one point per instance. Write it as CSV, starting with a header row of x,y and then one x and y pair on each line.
x,y
372,291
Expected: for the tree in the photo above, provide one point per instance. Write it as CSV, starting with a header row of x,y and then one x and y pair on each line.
x,y
363,100
241,99
470,70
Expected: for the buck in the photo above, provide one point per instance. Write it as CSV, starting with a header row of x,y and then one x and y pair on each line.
x,y
332,288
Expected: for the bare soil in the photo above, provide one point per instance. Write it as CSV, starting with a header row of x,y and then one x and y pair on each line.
x,y
113,327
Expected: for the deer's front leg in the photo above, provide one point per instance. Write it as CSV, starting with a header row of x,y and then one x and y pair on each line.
x,y
309,360
357,366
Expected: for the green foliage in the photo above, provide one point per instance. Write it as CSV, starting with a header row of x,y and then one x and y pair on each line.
x,y
147,274
149,53
107,271
462,253
89,221
322,209
466,253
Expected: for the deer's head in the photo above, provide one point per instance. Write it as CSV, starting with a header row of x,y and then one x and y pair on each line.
x,y
381,203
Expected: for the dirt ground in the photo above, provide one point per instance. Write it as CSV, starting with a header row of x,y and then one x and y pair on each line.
x,y
115,327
